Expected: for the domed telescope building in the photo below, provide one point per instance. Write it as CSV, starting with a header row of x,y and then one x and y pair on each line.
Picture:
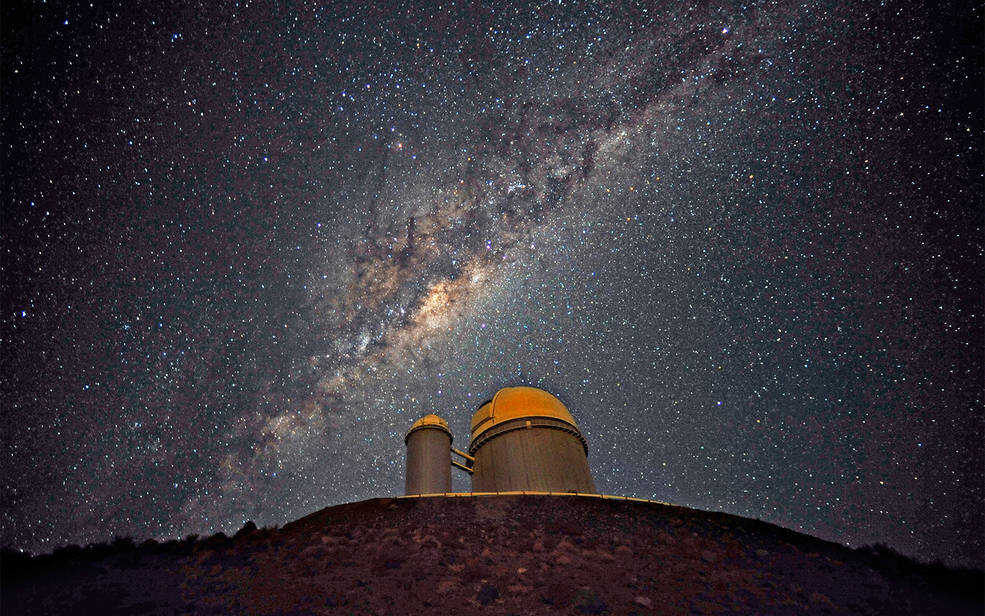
x,y
524,439
428,456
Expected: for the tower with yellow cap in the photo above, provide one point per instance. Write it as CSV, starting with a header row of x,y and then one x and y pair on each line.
x,y
524,439
428,456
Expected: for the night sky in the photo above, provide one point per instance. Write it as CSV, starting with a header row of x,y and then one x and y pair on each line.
x,y
244,248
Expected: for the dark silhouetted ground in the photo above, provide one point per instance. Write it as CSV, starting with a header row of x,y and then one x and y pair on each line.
x,y
490,555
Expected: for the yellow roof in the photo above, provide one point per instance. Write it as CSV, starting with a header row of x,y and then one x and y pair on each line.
x,y
430,421
516,402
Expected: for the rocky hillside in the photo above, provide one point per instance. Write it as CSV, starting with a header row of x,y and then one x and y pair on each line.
x,y
490,555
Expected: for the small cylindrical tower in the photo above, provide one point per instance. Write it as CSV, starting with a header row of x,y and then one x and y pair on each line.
x,y
428,456
525,439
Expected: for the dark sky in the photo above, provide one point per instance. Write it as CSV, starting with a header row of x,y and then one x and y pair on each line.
x,y
243,248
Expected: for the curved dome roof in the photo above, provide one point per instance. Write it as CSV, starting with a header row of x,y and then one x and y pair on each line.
x,y
515,403
429,421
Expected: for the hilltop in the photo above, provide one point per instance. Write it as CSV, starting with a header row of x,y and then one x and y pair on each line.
x,y
494,555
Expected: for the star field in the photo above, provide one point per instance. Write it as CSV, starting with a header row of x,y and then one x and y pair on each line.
x,y
244,248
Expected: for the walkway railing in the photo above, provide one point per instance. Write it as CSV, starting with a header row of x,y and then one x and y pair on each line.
x,y
524,492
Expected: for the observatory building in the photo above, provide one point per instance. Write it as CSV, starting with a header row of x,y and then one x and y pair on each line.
x,y
524,439
428,456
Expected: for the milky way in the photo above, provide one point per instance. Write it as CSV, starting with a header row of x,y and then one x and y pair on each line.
x,y
244,248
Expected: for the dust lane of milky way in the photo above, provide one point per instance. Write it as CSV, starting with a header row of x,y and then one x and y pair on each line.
x,y
247,247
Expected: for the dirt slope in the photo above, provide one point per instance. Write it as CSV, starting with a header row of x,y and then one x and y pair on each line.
x,y
491,555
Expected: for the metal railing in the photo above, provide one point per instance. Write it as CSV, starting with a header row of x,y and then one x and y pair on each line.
x,y
532,492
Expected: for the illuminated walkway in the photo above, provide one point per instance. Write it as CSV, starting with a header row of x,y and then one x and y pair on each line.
x,y
531,492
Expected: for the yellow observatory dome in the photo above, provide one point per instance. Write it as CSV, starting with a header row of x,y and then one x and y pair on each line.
x,y
429,421
516,403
